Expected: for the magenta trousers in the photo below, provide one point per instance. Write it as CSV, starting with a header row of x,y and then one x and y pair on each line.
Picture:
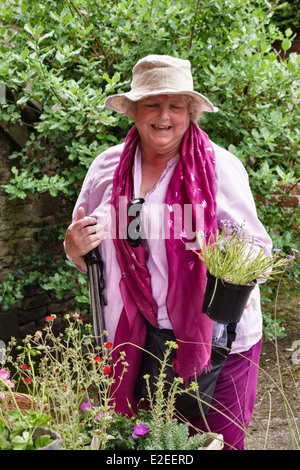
x,y
233,399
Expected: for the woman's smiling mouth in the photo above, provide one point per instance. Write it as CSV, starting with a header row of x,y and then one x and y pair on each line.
x,y
161,128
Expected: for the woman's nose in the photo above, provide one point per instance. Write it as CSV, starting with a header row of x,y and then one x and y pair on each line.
x,y
164,112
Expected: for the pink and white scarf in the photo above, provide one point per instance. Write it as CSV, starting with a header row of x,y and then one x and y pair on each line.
x,y
193,182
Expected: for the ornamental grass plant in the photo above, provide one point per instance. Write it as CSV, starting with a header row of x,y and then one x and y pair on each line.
x,y
233,257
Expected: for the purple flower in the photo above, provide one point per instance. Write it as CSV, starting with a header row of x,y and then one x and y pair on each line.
x,y
289,256
139,430
236,228
294,250
276,250
221,243
86,406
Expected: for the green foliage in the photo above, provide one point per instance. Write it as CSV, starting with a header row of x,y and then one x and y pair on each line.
x,y
20,435
287,15
60,59
161,430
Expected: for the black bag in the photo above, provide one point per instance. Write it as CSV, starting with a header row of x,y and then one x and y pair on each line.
x,y
188,404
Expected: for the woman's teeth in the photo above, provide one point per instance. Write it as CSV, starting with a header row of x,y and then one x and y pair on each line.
x,y
161,128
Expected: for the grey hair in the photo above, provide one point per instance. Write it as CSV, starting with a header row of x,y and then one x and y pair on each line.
x,y
193,107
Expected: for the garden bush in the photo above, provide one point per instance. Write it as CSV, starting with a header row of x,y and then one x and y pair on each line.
x,y
60,59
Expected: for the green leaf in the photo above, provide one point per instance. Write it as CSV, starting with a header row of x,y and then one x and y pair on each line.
x,y
286,44
24,53
23,442
42,441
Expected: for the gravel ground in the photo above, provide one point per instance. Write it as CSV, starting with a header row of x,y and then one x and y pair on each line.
x,y
272,427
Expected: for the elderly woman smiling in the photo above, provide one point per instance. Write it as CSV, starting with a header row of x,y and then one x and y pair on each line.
x,y
157,285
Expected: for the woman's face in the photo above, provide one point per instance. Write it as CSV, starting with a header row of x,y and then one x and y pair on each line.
x,y
162,121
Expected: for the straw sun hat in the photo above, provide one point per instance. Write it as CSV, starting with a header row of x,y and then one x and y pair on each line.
x,y
160,75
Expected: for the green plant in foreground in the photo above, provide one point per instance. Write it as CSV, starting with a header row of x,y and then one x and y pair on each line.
x,y
17,427
19,435
156,428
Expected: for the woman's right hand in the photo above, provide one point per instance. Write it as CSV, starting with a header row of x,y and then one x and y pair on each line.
x,y
82,236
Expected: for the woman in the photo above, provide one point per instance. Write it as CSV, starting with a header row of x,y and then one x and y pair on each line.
x,y
171,164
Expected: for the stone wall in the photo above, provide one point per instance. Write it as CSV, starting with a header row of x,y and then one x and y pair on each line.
x,y
19,220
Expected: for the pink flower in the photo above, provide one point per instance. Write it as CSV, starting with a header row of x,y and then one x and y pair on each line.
x,y
139,430
4,376
86,406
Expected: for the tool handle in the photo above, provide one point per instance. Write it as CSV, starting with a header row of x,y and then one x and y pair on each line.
x,y
92,257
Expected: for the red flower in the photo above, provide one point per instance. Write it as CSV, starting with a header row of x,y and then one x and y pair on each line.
x,y
24,366
106,370
50,317
66,388
108,345
28,379
98,359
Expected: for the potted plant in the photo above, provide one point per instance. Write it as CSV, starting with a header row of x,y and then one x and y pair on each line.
x,y
234,266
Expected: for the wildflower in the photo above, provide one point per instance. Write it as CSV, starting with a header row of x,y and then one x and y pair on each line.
x,y
66,388
108,345
50,318
98,359
221,243
106,370
236,228
24,366
86,406
294,250
38,335
289,257
4,376
276,250
28,379
140,430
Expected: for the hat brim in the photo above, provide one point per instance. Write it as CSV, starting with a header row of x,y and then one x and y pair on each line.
x,y
118,102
